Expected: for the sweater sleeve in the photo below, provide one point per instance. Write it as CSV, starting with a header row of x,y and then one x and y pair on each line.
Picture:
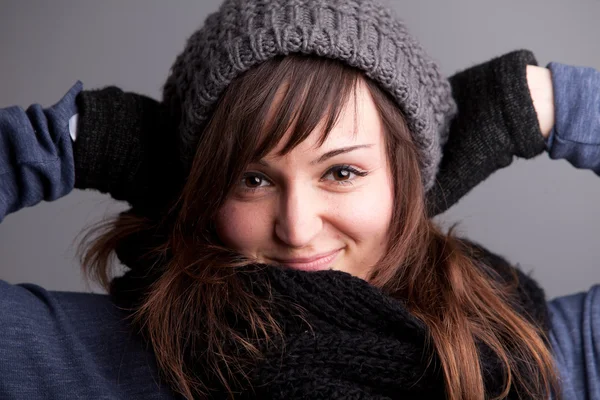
x,y
496,121
36,153
575,339
576,133
66,345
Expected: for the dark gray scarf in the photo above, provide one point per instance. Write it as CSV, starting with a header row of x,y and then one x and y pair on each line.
x,y
363,343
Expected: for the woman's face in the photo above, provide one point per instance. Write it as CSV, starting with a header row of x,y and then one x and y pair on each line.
x,y
317,208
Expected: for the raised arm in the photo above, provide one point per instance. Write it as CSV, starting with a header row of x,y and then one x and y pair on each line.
x,y
36,154
119,148
505,110
576,135
123,147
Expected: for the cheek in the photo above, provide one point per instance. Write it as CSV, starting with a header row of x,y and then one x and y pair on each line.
x,y
366,215
242,227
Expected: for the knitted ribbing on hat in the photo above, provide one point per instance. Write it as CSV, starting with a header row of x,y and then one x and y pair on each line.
x,y
361,33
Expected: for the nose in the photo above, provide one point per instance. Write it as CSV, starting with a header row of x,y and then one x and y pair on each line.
x,y
299,219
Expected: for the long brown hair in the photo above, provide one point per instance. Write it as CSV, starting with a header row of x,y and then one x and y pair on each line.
x,y
460,301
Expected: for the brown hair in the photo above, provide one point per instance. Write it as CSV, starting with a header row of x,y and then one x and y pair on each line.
x,y
461,302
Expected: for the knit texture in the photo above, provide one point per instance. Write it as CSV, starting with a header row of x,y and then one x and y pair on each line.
x,y
363,344
496,122
361,33
123,148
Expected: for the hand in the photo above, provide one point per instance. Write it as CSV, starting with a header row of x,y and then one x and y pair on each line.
x,y
539,81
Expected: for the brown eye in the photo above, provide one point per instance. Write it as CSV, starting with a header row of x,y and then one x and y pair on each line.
x,y
341,174
344,174
253,181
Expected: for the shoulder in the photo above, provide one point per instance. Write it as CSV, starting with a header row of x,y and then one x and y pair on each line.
x,y
575,340
28,305
76,342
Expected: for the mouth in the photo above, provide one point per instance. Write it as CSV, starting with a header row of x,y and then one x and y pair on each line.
x,y
314,263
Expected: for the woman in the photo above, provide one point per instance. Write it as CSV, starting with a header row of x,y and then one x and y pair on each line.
x,y
361,332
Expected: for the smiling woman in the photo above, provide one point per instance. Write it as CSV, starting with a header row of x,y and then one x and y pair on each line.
x,y
308,165
296,259
327,202
278,244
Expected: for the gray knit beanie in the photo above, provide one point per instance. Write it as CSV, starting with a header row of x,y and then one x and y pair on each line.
x,y
361,33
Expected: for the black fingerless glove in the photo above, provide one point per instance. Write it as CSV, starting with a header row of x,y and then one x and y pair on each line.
x,y
496,121
125,149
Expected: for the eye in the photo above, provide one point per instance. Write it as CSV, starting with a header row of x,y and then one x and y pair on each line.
x,y
252,181
344,174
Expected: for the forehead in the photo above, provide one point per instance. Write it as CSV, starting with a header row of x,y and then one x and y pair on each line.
x,y
358,123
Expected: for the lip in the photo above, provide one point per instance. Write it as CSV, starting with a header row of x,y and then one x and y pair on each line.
x,y
314,263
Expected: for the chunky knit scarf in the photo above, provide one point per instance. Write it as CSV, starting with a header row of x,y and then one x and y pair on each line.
x,y
362,345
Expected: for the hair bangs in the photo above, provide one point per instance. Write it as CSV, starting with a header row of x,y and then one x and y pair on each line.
x,y
305,99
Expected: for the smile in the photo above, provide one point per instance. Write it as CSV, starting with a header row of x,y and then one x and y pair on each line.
x,y
314,263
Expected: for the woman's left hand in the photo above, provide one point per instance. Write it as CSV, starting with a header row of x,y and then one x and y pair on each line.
x,y
539,81
496,122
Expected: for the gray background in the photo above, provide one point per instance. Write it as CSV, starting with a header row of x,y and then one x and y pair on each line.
x,y
542,213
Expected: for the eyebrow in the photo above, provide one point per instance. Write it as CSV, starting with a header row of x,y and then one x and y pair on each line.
x,y
330,154
339,151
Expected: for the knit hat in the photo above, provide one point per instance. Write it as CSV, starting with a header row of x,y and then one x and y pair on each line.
x,y
361,33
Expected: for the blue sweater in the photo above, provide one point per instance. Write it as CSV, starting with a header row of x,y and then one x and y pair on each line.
x,y
60,345
56,345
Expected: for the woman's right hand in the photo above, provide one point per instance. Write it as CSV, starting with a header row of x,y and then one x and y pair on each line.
x,y
125,148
